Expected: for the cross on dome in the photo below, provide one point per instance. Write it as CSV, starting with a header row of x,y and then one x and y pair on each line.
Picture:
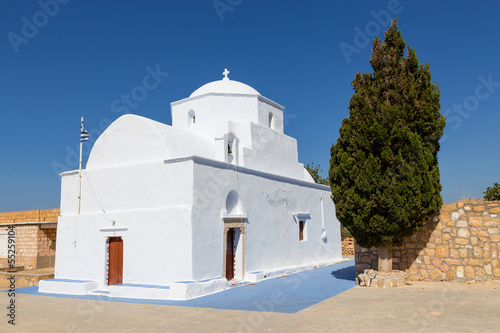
x,y
225,74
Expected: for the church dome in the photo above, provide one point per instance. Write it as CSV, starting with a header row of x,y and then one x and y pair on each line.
x,y
225,86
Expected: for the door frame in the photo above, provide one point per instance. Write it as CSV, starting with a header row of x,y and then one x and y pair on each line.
x,y
108,259
239,256
230,254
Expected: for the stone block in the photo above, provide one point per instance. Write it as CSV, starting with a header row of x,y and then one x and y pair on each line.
x,y
495,263
460,271
495,210
475,221
436,262
442,251
477,252
496,272
493,231
495,238
453,261
450,275
491,223
487,269
435,273
479,208
463,233
475,262
479,271
469,271
449,207
454,253
461,241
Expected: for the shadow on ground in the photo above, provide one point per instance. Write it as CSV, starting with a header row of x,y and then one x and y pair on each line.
x,y
346,273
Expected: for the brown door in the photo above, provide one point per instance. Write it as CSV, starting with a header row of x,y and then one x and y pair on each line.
x,y
230,255
115,265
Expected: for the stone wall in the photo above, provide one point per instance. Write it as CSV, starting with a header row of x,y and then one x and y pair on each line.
x,y
348,246
35,244
30,216
461,243
24,279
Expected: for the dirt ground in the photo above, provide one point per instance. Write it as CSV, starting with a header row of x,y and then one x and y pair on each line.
x,y
420,307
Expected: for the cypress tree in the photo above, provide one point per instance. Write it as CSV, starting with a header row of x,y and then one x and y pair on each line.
x,y
384,171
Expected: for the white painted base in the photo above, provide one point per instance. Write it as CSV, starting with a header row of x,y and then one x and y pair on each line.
x,y
183,290
129,290
254,277
66,286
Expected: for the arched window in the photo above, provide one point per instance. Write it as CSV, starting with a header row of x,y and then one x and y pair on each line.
x,y
231,148
191,118
233,205
271,120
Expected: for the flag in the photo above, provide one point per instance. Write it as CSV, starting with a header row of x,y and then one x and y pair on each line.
x,y
84,136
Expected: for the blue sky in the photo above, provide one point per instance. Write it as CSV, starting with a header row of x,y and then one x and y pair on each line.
x,y
78,58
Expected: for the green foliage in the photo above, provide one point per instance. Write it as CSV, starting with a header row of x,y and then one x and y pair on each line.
x,y
384,172
492,193
315,171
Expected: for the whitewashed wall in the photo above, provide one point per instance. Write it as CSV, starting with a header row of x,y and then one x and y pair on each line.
x,y
150,205
272,232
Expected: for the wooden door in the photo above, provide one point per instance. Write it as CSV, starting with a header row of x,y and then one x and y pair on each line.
x,y
230,255
115,264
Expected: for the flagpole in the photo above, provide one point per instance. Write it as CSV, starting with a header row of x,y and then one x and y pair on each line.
x,y
80,177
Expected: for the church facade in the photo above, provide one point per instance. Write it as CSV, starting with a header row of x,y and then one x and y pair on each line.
x,y
175,212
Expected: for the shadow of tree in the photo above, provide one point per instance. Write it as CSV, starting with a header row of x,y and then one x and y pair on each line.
x,y
346,273
414,252
412,247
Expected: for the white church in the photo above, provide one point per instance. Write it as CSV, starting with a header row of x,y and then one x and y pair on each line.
x,y
176,212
